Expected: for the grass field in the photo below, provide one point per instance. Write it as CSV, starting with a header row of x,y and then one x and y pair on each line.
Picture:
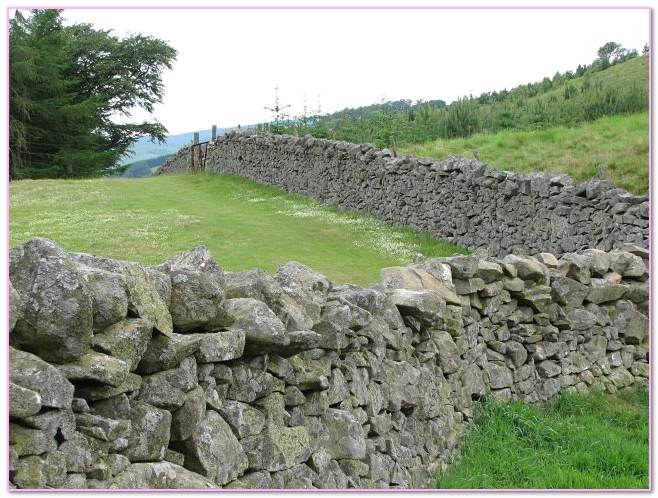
x,y
244,224
618,146
574,441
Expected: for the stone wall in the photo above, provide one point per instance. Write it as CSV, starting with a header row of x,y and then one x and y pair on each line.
x,y
183,375
456,199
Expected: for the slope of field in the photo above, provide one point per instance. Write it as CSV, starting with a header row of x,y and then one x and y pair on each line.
x,y
574,441
244,224
616,148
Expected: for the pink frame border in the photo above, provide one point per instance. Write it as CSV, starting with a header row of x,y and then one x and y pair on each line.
x,y
5,271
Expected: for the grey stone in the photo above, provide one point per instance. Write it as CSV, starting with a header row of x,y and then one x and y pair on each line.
x,y
499,376
96,367
220,346
16,304
196,290
185,419
602,291
426,306
57,315
164,353
159,475
31,372
548,368
23,402
243,419
261,326
213,451
568,292
108,295
150,433
26,441
346,438
126,340
94,392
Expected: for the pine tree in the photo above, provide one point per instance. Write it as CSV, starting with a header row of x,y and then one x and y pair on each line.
x,y
66,85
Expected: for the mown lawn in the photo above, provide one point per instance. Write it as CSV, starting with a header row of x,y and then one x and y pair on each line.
x,y
575,441
244,224
616,147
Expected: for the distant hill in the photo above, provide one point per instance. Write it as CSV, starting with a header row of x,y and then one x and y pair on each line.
x,y
144,148
145,167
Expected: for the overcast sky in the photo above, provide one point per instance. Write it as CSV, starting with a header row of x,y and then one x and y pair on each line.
x,y
230,60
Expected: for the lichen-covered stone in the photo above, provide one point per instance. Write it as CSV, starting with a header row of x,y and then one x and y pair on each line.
x,y
27,441
97,367
220,346
345,436
416,279
196,290
16,304
426,306
56,321
23,402
108,295
157,390
150,433
261,326
243,419
31,372
185,419
126,340
159,475
213,451
94,392
164,353
307,287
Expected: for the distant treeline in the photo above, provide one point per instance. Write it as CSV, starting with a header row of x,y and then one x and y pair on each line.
x,y
616,82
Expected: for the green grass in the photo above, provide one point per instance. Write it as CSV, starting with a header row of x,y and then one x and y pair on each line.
x,y
575,441
243,223
620,144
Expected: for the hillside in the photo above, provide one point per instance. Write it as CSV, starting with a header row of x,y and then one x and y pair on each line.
x,y
144,148
615,148
564,100
145,167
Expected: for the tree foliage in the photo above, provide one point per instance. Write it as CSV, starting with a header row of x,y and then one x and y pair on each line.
x,y
69,88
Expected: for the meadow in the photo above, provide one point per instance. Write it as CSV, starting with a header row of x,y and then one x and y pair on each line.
x,y
244,224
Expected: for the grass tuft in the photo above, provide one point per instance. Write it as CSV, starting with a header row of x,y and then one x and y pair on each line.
x,y
574,441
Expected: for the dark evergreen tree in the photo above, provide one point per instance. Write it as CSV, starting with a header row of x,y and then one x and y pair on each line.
x,y
68,84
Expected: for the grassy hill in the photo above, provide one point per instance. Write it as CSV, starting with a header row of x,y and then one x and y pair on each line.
x,y
616,148
586,123
244,224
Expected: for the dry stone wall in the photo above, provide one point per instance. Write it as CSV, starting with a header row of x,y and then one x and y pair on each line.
x,y
183,375
456,199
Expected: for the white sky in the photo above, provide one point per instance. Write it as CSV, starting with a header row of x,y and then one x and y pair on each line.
x,y
230,60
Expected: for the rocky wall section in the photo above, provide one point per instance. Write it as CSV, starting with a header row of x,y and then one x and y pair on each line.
x,y
183,375
456,199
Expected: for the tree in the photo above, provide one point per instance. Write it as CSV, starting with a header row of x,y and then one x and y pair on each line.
x,y
279,112
68,85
